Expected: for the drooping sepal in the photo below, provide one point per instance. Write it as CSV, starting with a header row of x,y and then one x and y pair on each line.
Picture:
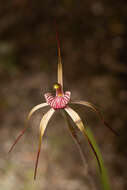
x,y
77,120
98,112
43,124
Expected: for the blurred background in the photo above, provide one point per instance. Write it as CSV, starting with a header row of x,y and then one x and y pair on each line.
x,y
93,36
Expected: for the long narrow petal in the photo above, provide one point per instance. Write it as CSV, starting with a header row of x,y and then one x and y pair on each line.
x,y
77,120
43,124
73,134
95,109
35,108
24,130
17,139
60,71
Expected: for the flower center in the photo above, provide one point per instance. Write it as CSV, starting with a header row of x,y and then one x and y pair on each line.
x,y
58,88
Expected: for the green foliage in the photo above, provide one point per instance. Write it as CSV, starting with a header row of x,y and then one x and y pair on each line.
x,y
103,175
8,61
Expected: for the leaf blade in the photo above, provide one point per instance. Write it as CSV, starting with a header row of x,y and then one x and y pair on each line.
x,y
104,175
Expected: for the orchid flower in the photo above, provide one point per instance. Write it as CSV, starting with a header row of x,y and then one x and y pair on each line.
x,y
61,101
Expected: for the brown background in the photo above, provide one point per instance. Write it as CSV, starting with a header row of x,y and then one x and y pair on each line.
x,y
93,37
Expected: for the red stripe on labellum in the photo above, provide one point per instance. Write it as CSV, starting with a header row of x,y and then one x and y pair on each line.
x,y
58,102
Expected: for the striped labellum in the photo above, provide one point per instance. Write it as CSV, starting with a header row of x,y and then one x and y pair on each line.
x,y
58,102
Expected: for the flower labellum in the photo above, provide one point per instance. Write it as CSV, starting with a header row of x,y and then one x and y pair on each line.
x,y
59,101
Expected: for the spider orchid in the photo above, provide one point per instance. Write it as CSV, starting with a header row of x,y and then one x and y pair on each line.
x,y
62,101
